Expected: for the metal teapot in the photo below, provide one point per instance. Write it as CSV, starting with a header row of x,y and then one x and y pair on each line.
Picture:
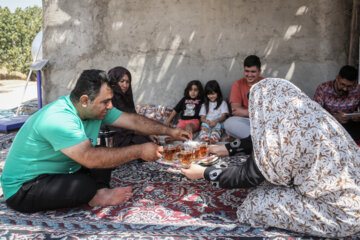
x,y
105,138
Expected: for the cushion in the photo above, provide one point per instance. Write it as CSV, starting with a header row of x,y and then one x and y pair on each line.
x,y
158,113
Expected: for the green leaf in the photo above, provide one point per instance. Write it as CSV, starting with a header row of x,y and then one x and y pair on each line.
x,y
17,31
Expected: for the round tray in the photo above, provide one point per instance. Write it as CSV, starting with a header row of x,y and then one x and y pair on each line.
x,y
207,161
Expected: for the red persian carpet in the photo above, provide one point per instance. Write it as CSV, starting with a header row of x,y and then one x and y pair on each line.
x,y
165,205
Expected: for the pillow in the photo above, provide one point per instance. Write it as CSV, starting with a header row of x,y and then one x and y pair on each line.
x,y
158,113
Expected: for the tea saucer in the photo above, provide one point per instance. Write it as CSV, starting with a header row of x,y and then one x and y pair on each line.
x,y
175,163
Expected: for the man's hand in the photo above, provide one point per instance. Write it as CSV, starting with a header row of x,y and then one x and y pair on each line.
x,y
238,110
180,134
151,152
103,157
194,172
341,117
155,139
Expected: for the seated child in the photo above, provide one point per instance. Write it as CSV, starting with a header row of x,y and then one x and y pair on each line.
x,y
213,112
189,107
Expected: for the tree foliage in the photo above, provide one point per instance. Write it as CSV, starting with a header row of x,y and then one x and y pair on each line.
x,y
17,31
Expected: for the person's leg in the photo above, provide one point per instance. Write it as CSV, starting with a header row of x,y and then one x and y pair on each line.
x,y
204,132
238,127
110,197
104,195
54,191
196,123
353,128
101,176
215,135
287,208
181,124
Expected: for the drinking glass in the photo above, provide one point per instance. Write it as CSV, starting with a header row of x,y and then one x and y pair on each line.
x,y
185,157
203,149
169,153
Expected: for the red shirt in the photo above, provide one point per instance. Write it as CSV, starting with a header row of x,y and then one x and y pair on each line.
x,y
239,91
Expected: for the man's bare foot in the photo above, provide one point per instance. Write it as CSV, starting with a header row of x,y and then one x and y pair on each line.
x,y
219,150
110,197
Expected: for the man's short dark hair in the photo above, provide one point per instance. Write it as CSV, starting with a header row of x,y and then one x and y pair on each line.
x,y
251,61
89,83
349,73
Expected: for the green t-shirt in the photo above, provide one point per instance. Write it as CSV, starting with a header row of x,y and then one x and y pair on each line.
x,y
36,147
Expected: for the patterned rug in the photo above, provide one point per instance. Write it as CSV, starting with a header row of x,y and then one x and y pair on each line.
x,y
165,205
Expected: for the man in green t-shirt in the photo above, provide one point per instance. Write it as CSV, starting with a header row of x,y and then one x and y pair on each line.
x,y
50,162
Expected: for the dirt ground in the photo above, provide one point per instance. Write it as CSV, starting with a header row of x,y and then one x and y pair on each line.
x,y
11,92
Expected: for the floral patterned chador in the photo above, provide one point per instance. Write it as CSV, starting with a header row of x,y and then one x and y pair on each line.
x,y
310,162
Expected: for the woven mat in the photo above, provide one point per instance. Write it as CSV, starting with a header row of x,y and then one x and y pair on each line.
x,y
165,205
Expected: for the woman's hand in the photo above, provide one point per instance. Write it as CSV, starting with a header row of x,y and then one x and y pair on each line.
x,y
194,172
219,150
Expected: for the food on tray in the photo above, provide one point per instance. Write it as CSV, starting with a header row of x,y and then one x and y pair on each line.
x,y
183,154
210,160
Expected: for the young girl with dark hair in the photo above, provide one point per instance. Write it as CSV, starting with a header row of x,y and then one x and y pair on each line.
x,y
189,107
213,112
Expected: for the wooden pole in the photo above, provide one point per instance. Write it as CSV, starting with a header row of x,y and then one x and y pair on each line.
x,y
354,35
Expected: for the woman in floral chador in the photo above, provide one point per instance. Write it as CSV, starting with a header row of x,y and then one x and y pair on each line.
x,y
310,164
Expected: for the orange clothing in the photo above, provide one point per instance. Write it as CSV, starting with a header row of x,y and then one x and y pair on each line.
x,y
239,91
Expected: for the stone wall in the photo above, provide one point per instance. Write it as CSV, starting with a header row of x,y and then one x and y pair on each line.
x,y
166,43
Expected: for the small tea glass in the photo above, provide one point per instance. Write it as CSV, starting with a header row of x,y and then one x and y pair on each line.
x,y
204,150
196,153
169,153
185,157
